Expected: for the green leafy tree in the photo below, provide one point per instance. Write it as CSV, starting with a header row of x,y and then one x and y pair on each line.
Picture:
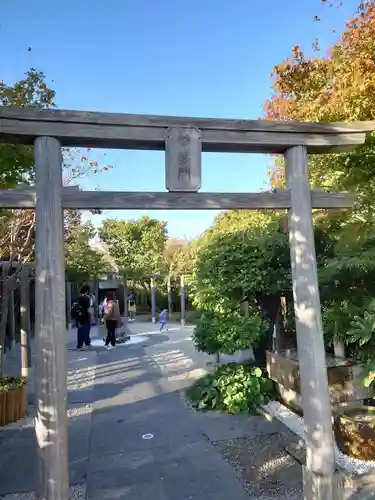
x,y
227,332
138,246
17,162
244,254
81,260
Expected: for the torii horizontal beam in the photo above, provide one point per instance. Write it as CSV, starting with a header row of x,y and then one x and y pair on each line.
x,y
119,200
125,131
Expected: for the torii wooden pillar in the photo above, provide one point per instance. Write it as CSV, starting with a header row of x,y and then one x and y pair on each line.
x,y
183,139
50,324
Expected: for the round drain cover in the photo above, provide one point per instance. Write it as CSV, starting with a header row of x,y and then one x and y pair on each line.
x,y
147,436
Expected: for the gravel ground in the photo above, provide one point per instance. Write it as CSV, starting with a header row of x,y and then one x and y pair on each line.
x,y
261,463
75,493
263,466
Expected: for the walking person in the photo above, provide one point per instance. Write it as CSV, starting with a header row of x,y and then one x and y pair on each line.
x,y
163,320
112,319
81,313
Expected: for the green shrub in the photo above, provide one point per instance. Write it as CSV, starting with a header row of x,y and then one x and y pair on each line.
x,y
235,388
227,332
9,383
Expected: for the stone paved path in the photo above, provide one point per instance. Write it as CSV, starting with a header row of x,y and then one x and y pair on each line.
x,y
117,397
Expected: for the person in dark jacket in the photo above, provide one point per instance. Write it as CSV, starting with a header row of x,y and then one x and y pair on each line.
x,y
83,317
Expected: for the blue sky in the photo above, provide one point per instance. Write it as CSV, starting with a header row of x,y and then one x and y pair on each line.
x,y
208,58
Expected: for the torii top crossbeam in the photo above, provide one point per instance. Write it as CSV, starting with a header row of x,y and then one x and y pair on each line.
x,y
112,130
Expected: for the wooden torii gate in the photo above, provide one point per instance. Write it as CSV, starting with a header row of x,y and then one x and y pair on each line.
x,y
184,140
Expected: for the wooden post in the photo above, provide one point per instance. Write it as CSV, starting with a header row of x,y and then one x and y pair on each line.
x,y
25,323
338,348
50,322
182,282
125,300
280,341
153,301
11,320
320,458
169,290
69,303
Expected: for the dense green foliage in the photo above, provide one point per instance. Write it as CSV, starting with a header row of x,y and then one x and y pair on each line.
x,y
227,332
17,162
136,245
234,388
10,383
82,262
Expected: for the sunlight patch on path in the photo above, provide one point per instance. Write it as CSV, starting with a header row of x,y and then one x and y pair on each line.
x,y
173,361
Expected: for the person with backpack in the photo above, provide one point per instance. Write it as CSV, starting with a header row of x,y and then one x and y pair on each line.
x,y
112,319
81,313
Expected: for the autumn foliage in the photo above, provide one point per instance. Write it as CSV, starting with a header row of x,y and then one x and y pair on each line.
x,y
338,87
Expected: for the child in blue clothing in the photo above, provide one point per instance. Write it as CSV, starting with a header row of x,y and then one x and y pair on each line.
x,y
163,320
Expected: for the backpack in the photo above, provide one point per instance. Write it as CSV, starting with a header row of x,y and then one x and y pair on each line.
x,y
77,311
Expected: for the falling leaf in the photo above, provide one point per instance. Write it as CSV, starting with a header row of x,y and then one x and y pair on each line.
x,y
83,158
29,49
93,164
316,18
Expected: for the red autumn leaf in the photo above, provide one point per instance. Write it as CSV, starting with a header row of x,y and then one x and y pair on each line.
x,y
83,158
93,164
